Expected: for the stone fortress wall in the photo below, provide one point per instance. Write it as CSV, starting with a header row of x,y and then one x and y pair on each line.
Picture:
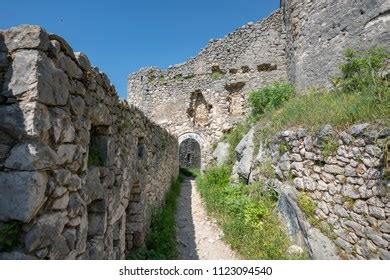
x,y
80,171
207,95
303,42
318,31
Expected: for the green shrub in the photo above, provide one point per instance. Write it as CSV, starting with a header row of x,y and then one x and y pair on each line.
x,y
234,137
329,146
160,243
361,94
246,215
363,71
95,158
269,98
9,236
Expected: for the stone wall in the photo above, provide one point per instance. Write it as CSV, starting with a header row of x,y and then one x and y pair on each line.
x,y
319,31
207,94
80,171
345,174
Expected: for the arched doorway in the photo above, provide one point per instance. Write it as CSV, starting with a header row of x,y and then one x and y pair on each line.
x,y
197,145
190,154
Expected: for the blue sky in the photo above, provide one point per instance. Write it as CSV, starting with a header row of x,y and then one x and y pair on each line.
x,y
122,36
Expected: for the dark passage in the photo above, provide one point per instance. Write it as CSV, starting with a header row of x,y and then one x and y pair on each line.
x,y
189,154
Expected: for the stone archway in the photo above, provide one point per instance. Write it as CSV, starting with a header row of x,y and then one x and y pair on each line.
x,y
190,154
193,150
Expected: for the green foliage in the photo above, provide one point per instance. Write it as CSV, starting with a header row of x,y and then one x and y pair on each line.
x,y
234,137
189,172
9,236
306,204
95,158
361,94
266,169
269,98
245,213
217,75
283,147
160,243
363,71
329,146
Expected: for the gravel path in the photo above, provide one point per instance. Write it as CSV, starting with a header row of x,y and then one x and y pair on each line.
x,y
197,236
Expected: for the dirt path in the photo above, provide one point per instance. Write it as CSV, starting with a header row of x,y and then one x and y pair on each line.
x,y
198,237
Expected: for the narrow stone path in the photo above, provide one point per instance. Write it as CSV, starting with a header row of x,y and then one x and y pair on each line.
x,y
198,237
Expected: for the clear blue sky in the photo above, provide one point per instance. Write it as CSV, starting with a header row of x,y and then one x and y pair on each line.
x,y
122,36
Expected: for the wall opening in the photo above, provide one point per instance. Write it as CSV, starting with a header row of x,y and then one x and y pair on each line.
x,y
266,67
199,109
190,154
235,99
100,147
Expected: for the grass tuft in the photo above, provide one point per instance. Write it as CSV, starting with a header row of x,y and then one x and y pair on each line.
x,y
160,242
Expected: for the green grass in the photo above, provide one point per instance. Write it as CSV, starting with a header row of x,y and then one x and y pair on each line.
x,y
246,215
308,206
234,137
9,236
160,242
361,93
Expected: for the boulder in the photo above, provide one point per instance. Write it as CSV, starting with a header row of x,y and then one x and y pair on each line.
x,y
32,155
26,37
21,194
25,119
34,75
221,153
47,231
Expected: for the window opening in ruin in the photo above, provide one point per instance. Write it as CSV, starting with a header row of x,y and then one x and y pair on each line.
x,y
266,67
199,109
98,146
190,154
245,69
235,98
141,147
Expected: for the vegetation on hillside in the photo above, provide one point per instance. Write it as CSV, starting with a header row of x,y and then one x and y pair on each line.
x,y
361,93
246,215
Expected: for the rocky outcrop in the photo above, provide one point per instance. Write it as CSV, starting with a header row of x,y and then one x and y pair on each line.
x,y
80,170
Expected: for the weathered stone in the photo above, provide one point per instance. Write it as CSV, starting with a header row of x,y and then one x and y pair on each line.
x,y
357,228
83,61
76,205
26,119
61,203
31,155
21,194
52,87
350,191
334,169
66,153
46,231
15,256
375,237
26,37
358,129
69,66
77,105
377,212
